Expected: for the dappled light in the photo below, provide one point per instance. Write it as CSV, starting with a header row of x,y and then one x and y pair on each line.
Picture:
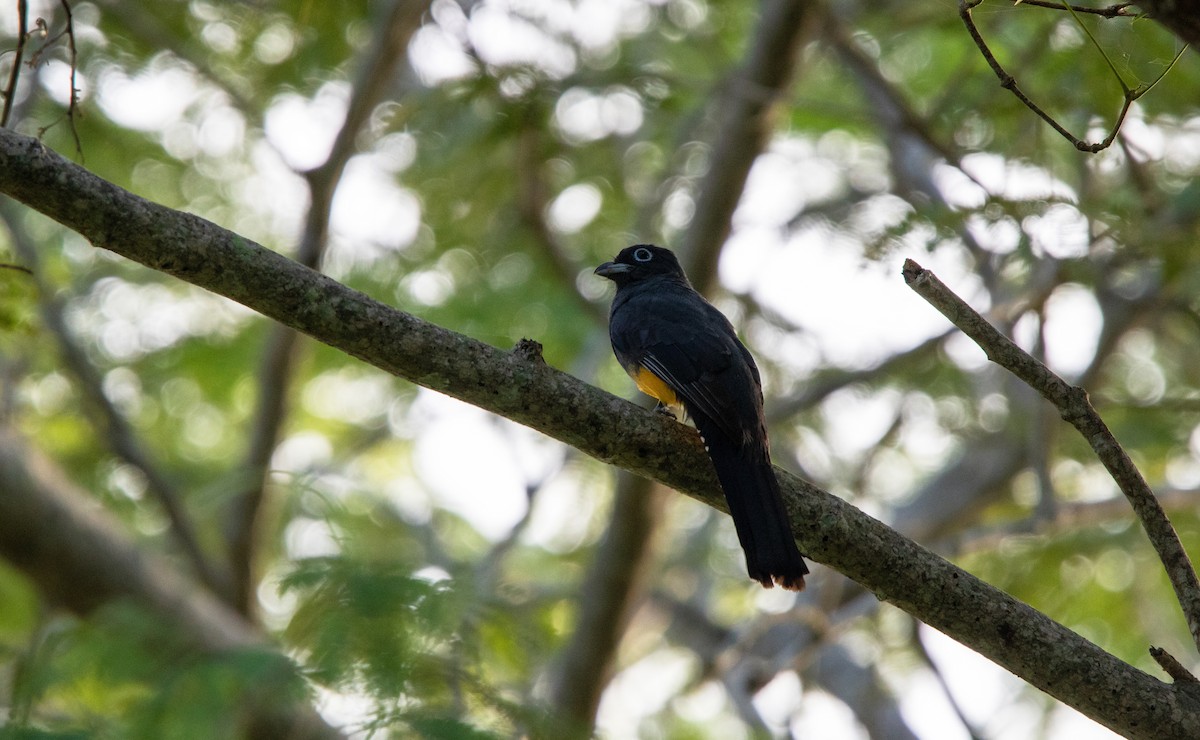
x,y
305,415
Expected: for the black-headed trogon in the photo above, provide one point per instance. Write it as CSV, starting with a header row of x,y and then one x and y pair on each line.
x,y
681,350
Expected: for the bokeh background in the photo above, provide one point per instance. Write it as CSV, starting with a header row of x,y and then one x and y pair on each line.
x,y
435,571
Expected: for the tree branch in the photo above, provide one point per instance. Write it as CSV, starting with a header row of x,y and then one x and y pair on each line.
x,y
1008,82
1072,402
746,120
1171,666
14,73
1009,632
282,348
1181,16
611,590
375,75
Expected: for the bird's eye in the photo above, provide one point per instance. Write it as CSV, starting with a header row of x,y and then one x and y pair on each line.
x,y
641,254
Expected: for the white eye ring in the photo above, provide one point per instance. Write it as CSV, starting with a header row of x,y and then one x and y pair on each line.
x,y
641,254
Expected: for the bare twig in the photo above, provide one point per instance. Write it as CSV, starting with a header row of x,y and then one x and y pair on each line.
x,y
68,32
1008,82
14,74
1072,402
1109,11
1172,667
72,105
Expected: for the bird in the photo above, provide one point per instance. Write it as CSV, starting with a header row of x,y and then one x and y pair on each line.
x,y
682,351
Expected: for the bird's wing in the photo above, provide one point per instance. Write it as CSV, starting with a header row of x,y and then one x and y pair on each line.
x,y
689,345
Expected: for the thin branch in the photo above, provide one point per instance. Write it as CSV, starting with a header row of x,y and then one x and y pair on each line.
x,y
1008,82
1095,43
10,90
9,94
1120,10
1172,667
72,106
1074,406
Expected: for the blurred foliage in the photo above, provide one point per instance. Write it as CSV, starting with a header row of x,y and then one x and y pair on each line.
x,y
18,305
122,674
402,569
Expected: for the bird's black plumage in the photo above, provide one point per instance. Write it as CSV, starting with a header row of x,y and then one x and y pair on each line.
x,y
680,349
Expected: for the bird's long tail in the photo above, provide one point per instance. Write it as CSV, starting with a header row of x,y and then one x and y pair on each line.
x,y
759,516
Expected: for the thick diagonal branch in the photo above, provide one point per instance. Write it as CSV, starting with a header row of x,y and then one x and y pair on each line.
x,y
1072,402
1009,632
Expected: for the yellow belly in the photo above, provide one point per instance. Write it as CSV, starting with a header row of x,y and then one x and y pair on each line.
x,y
652,385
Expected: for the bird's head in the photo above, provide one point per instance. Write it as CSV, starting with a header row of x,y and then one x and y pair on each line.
x,y
639,262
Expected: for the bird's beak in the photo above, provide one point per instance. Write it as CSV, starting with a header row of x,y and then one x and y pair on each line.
x,y
611,269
